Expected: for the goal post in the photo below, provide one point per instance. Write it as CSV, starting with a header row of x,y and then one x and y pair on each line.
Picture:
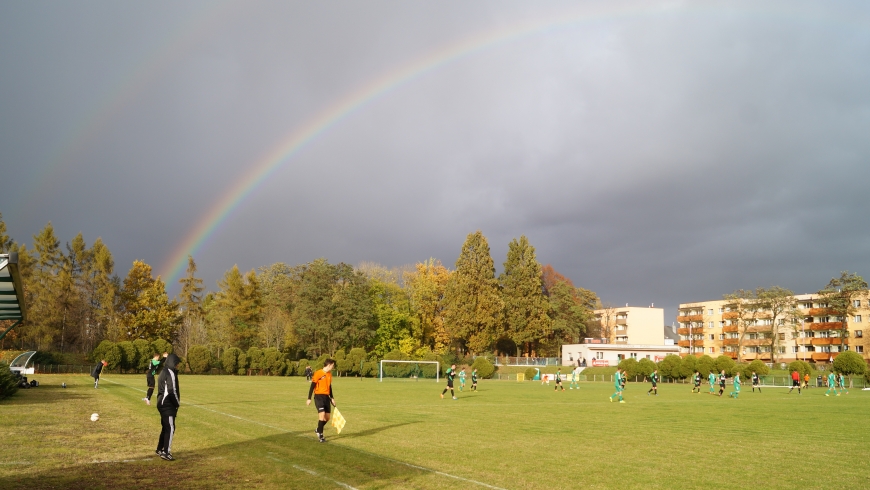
x,y
409,370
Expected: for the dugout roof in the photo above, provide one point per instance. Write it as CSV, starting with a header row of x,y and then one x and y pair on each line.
x,y
12,305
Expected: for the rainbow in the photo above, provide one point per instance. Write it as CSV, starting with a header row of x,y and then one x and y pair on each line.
x,y
297,139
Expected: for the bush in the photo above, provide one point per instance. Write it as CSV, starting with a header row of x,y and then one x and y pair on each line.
x,y
671,366
756,366
199,359
99,351
232,360
530,373
727,364
645,367
113,356
849,363
355,358
688,366
801,367
8,384
160,346
630,366
144,352
706,365
129,356
484,367
255,358
273,361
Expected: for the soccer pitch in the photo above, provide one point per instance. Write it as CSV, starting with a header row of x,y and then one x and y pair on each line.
x,y
256,432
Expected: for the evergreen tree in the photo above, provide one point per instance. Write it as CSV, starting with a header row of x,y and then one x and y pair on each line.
x,y
7,244
240,302
44,312
102,292
525,306
147,312
473,305
191,331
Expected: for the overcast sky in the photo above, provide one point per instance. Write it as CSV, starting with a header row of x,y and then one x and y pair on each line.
x,y
654,153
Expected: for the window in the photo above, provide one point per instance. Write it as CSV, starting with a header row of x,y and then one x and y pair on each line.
x,y
599,355
647,356
859,349
721,336
856,303
712,349
794,349
781,350
859,334
710,311
782,336
712,337
721,310
857,319
710,325
634,355
721,324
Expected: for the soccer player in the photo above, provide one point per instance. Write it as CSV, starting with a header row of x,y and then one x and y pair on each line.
x,y
755,382
461,379
308,373
450,374
736,392
324,399
806,380
795,381
654,379
574,380
168,401
712,379
558,380
722,378
843,383
153,367
474,380
697,380
98,369
617,383
832,384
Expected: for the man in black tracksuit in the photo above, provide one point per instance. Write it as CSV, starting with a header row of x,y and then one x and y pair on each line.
x,y
98,369
168,400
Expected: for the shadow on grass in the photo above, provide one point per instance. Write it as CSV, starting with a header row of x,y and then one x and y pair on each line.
x,y
288,460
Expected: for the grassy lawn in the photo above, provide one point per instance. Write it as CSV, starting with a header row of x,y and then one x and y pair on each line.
x,y
241,432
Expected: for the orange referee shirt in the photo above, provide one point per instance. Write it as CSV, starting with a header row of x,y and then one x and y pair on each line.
x,y
322,381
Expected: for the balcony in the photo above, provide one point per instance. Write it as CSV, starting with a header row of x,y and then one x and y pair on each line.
x,y
729,315
689,331
690,318
732,355
824,326
821,312
823,356
729,328
621,321
730,341
756,342
827,341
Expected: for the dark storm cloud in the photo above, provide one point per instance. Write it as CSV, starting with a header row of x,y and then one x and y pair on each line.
x,y
666,154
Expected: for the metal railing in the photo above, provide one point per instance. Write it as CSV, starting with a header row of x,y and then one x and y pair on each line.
x,y
527,361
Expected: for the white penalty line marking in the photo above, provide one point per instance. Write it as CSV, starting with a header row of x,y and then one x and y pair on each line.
x,y
421,468
313,473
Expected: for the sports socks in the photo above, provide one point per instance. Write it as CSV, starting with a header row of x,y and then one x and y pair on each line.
x,y
320,425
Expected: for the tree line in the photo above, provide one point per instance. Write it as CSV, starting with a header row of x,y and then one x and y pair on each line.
x,y
76,301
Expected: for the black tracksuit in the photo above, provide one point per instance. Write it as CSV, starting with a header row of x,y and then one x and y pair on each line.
x,y
149,376
168,401
96,373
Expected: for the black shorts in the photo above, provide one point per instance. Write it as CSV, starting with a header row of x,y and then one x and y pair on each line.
x,y
795,382
558,380
322,403
697,384
450,383
654,384
722,384
755,383
149,379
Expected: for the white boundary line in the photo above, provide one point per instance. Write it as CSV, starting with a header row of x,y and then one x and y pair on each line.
x,y
441,473
313,473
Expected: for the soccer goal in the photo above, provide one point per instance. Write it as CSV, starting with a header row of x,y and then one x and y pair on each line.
x,y
415,370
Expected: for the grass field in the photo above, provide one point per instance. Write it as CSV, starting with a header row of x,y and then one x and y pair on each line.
x,y
256,432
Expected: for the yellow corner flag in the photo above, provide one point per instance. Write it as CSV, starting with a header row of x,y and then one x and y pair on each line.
x,y
337,420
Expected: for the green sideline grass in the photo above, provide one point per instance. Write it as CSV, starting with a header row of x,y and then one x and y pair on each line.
x,y
256,432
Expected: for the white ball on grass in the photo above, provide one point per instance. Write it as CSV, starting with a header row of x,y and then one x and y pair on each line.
x,y
95,417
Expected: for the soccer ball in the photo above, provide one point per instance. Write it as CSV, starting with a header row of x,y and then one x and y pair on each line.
x,y
95,417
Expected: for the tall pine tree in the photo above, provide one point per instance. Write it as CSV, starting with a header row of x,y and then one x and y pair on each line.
x,y
191,331
525,306
473,305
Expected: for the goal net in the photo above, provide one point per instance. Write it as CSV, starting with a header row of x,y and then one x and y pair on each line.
x,y
415,370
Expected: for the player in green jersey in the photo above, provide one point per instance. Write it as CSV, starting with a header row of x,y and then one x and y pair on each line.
x,y
450,374
736,392
461,379
654,379
712,379
832,384
558,380
843,384
617,383
474,380
574,380
697,380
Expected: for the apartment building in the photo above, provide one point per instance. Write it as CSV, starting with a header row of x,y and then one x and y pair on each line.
x,y
811,332
632,325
